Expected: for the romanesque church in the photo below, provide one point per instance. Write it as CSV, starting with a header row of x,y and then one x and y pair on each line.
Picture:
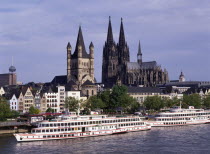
x,y
80,68
117,68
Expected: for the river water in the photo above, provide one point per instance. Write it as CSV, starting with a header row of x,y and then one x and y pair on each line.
x,y
179,139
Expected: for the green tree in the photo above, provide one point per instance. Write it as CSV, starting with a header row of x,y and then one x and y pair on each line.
x,y
117,95
49,110
95,102
5,111
33,110
192,100
153,103
105,97
72,104
206,102
133,105
168,103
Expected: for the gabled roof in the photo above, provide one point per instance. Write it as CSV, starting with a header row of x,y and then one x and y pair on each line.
x,y
87,83
144,90
62,79
132,65
149,65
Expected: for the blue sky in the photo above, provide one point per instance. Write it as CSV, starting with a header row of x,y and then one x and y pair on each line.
x,y
175,33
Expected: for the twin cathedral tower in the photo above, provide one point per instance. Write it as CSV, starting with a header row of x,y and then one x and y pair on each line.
x,y
116,67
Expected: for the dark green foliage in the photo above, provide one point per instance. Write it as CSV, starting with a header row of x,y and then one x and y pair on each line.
x,y
5,111
33,110
94,102
49,110
168,103
192,100
206,102
72,104
153,103
117,100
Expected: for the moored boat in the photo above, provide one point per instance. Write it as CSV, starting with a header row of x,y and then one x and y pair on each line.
x,y
178,116
73,126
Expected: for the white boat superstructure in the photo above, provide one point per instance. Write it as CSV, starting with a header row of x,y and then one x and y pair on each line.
x,y
73,126
178,116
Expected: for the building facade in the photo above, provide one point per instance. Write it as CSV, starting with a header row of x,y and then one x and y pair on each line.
x,y
117,68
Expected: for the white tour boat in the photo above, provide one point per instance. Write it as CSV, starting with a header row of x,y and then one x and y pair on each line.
x,y
178,116
73,126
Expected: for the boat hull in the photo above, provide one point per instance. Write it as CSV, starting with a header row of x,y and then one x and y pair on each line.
x,y
171,124
41,137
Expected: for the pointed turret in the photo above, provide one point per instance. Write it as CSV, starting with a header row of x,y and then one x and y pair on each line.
x,y
91,48
110,39
122,35
80,50
68,61
68,45
139,54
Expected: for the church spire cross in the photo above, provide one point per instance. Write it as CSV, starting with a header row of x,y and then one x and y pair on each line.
x,y
122,35
110,34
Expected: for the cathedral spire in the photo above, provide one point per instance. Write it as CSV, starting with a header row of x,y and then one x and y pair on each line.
x,y
110,35
139,54
122,35
139,49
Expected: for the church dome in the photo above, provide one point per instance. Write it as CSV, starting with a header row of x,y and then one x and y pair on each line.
x,y
12,69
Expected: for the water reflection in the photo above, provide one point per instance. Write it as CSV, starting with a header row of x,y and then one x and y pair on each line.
x,y
178,139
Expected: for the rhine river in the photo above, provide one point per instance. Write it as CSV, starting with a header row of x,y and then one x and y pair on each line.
x,y
180,139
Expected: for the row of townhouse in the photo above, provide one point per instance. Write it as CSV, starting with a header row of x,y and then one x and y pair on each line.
x,y
48,97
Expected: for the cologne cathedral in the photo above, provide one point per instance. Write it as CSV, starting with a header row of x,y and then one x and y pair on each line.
x,y
117,68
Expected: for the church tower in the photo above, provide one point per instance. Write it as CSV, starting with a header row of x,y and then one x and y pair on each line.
x,y
139,55
80,64
110,59
181,77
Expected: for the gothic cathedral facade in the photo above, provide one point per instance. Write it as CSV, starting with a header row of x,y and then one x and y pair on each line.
x,y
117,68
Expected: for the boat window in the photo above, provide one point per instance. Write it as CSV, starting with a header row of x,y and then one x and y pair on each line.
x,y
48,136
44,136
57,135
62,130
51,130
47,130
59,124
55,125
51,125
43,130
47,125
72,124
62,124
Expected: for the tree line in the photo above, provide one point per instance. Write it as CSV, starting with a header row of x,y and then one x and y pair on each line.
x,y
110,101
155,103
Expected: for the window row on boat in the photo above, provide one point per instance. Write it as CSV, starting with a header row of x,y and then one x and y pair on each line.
x,y
55,130
52,124
182,114
169,119
131,124
174,123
